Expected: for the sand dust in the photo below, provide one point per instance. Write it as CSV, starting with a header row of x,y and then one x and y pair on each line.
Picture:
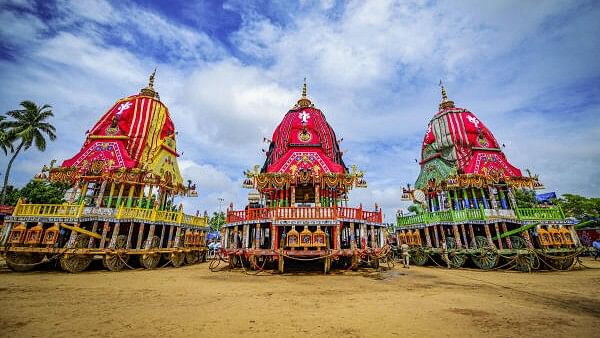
x,y
193,302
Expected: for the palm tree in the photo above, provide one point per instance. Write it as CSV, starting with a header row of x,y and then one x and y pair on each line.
x,y
5,136
28,128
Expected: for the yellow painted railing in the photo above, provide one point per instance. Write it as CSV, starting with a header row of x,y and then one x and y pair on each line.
x,y
77,210
194,220
48,210
154,215
167,216
136,213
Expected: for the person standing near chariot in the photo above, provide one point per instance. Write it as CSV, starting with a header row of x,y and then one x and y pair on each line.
x,y
445,253
596,245
405,255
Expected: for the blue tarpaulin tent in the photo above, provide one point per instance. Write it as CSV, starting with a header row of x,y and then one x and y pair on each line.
x,y
545,197
214,234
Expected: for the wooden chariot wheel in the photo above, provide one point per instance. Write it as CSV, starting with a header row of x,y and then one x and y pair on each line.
x,y
457,260
419,256
73,262
562,261
192,257
522,262
374,262
21,262
177,258
486,257
116,261
151,259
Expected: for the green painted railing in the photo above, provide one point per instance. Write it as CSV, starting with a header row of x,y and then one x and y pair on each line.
x,y
538,214
528,214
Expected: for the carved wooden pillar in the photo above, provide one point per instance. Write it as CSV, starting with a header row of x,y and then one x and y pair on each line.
x,y
177,240
140,235
427,237
274,237
255,245
110,195
130,196
436,236
352,236
129,235
100,194
121,189
508,243
317,196
91,240
464,236
338,237
162,235
498,236
105,229
148,244
235,237
527,239
170,239
113,238
472,233
456,236
488,235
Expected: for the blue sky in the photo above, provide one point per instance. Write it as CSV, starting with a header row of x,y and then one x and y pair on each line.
x,y
228,71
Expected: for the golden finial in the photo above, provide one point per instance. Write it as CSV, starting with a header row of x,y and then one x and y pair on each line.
x,y
149,90
151,80
445,102
304,88
304,101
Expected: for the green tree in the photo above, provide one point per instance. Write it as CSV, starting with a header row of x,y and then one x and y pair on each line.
x,y
28,127
12,195
217,220
6,138
525,198
44,192
580,207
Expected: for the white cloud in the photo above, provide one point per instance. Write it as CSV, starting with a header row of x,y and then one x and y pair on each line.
x,y
20,30
98,11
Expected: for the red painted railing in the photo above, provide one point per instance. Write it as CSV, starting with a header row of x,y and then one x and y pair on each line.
x,y
303,213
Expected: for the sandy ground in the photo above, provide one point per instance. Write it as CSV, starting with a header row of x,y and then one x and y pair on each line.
x,y
192,301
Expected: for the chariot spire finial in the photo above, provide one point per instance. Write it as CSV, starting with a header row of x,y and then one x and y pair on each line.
x,y
304,101
304,88
149,89
445,102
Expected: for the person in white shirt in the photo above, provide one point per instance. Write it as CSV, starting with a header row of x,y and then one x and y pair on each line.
x,y
405,255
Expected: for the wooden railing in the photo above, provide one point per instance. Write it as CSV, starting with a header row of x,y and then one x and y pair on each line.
x,y
538,214
48,210
167,216
136,213
78,210
530,214
194,220
303,213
